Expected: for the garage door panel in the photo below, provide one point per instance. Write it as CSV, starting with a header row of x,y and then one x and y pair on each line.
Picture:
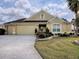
x,y
26,29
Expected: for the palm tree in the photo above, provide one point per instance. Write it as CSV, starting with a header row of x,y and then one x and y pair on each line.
x,y
74,6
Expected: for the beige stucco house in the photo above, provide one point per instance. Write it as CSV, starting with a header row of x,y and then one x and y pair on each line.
x,y
39,19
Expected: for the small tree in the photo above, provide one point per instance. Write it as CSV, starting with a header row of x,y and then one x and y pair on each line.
x,y
35,30
47,30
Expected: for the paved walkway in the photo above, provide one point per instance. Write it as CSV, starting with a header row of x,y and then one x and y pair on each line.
x,y
18,47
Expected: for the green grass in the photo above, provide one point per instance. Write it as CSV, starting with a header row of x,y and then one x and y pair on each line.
x,y
58,48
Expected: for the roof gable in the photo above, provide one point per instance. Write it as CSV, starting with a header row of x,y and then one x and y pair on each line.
x,y
58,20
42,15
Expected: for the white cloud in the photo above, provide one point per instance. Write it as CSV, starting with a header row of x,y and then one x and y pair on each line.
x,y
11,13
23,8
9,0
22,4
59,10
55,5
26,5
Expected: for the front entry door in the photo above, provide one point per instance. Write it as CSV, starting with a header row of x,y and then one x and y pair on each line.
x,y
42,27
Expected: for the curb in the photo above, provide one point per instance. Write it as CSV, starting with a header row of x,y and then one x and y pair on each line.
x,y
38,50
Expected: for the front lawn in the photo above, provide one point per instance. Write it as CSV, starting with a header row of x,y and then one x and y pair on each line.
x,y
58,48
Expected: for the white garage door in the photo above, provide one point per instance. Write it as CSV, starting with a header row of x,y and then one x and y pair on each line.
x,y
22,30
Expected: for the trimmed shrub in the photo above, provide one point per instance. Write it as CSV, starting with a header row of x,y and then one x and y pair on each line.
x,y
2,31
41,35
35,30
71,34
63,35
78,34
59,34
47,30
49,34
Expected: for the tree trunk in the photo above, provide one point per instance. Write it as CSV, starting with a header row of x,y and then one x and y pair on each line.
x,y
76,20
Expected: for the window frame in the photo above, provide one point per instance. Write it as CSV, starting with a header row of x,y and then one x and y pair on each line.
x,y
55,28
42,16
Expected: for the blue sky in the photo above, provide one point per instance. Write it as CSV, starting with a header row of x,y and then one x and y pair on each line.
x,y
16,9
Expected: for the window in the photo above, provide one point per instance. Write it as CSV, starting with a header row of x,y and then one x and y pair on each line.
x,y
56,28
42,16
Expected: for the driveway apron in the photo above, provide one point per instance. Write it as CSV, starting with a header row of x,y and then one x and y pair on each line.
x,y
18,47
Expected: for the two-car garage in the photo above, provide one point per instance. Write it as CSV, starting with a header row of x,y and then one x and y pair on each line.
x,y
21,29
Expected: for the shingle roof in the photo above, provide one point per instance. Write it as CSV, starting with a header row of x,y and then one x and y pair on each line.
x,y
19,20
26,20
23,20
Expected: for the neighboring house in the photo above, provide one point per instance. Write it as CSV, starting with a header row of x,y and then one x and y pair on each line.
x,y
2,26
40,19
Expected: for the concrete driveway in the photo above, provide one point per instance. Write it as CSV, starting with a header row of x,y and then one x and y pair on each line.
x,y
18,47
